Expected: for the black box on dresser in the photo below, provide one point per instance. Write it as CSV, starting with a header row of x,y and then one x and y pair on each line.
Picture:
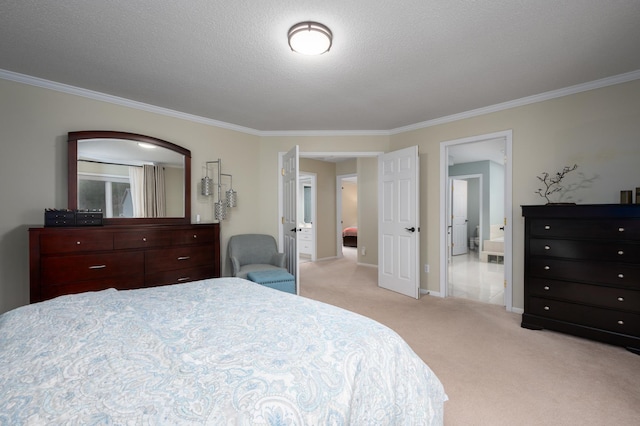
x,y
582,271
67,217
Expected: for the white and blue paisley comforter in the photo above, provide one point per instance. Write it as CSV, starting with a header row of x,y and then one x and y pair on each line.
x,y
222,352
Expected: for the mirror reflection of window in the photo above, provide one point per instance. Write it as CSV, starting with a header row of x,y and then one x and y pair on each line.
x,y
111,195
129,180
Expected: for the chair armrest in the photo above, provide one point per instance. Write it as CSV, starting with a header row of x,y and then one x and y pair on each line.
x,y
235,266
279,260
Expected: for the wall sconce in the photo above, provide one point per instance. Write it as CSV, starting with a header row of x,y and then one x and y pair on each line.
x,y
207,189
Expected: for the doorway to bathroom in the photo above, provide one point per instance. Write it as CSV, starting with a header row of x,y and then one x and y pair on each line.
x,y
477,265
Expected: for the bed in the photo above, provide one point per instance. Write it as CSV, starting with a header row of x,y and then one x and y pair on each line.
x,y
219,351
350,237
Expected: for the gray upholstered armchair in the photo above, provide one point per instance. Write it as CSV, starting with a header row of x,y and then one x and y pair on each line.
x,y
254,252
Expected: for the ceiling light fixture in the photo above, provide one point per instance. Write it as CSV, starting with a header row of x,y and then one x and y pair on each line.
x,y
146,145
310,38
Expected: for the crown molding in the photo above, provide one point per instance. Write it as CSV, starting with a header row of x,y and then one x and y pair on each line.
x,y
72,90
65,88
325,133
571,90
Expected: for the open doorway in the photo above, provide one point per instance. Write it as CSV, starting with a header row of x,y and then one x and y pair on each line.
x,y
307,211
482,272
347,216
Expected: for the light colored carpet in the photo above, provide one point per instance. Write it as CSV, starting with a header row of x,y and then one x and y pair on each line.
x,y
494,371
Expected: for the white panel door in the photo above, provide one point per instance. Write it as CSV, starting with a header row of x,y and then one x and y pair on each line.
x,y
459,217
290,179
398,221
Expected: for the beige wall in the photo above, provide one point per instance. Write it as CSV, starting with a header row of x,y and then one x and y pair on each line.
x,y
34,123
349,204
325,223
272,146
368,210
597,129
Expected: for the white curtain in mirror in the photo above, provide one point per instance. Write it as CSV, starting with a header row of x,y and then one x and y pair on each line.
x,y
155,200
136,182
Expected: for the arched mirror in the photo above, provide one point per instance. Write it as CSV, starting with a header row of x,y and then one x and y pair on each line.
x,y
131,178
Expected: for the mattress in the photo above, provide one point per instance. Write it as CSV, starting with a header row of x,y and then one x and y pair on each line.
x,y
350,232
221,351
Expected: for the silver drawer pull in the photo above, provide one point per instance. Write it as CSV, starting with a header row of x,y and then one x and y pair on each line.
x,y
97,267
620,275
546,308
546,268
547,247
183,279
144,239
620,229
620,299
620,252
77,242
547,227
195,236
546,287
621,322
184,257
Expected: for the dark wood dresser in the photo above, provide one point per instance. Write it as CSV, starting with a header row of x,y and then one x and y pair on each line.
x,y
78,259
582,271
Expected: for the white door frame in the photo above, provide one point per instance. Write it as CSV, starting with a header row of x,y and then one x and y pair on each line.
x,y
314,200
508,201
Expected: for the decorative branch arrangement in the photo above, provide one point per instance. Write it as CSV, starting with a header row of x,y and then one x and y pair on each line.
x,y
552,183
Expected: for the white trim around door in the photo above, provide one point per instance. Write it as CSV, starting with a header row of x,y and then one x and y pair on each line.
x,y
507,136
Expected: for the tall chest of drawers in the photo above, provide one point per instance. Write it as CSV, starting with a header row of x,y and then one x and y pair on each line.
x,y
582,271
73,260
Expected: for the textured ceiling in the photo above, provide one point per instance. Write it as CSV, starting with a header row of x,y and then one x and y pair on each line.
x,y
392,64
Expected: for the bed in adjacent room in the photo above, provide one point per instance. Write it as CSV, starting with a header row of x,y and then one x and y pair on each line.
x,y
350,236
218,351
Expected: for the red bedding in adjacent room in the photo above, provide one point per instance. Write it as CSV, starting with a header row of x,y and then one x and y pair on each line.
x,y
350,232
350,237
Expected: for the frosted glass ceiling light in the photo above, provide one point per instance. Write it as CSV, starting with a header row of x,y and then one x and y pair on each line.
x,y
310,38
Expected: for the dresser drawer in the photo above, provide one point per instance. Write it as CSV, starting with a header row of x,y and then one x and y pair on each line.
x,y
179,275
123,282
141,239
177,258
194,236
604,319
610,273
576,249
86,267
75,241
614,228
606,297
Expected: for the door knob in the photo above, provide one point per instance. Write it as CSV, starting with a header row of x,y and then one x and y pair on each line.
x,y
412,229
294,230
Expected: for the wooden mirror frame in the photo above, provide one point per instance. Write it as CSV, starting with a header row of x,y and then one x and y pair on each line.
x,y
72,175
